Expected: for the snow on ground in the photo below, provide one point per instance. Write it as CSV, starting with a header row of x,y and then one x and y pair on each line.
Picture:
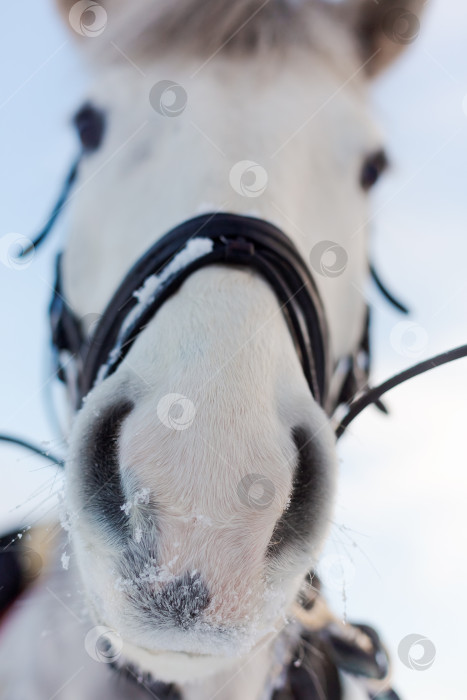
x,y
396,555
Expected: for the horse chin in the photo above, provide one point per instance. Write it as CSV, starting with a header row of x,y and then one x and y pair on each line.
x,y
171,667
151,666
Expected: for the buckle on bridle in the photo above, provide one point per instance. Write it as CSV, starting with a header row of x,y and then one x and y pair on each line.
x,y
237,248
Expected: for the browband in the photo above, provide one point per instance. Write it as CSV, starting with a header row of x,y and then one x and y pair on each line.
x,y
229,239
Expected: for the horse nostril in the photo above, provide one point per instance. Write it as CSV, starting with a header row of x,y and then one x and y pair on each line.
x,y
183,599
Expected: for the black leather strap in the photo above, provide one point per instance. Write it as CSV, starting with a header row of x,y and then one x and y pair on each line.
x,y
322,654
237,240
373,395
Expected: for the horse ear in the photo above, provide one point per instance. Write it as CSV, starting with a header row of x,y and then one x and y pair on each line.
x,y
383,28
86,18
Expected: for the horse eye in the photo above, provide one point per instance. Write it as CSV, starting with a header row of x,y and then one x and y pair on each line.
x,y
372,168
90,122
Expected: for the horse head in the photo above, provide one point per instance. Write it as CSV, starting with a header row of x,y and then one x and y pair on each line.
x,y
201,473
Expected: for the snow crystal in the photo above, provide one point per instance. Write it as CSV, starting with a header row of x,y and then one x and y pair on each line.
x,y
151,574
141,496
65,560
156,574
126,507
64,516
138,535
65,521
194,249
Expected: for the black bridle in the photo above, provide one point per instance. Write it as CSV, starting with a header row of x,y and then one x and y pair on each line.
x,y
231,239
236,240
241,241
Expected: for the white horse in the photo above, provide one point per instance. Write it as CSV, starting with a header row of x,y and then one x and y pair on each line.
x,y
268,118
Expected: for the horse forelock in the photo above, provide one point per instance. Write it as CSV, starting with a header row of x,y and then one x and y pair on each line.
x,y
205,28
215,25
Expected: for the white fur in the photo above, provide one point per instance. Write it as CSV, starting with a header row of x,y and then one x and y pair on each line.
x,y
158,172
254,390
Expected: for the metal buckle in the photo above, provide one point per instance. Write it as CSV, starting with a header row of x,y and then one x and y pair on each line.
x,y
235,247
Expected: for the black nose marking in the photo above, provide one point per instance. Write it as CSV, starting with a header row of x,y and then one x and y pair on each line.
x,y
100,479
183,600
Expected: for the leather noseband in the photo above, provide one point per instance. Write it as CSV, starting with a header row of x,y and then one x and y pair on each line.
x,y
224,238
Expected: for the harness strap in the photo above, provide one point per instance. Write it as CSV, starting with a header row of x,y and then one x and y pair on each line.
x,y
373,395
236,240
389,296
60,203
324,650
32,448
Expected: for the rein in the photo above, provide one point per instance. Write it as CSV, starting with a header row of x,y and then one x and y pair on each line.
x,y
220,238
373,395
